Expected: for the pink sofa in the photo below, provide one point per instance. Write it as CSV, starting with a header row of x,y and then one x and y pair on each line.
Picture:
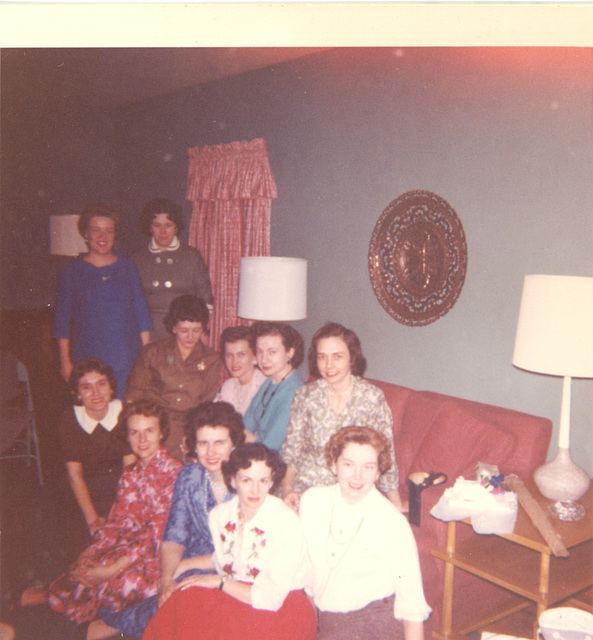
x,y
435,432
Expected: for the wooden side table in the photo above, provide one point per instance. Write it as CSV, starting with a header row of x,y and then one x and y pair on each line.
x,y
522,563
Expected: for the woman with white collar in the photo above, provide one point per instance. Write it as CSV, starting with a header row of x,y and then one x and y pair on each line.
x,y
93,453
167,267
366,581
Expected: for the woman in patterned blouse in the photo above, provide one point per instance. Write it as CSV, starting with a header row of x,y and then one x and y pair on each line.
x,y
260,562
338,398
121,565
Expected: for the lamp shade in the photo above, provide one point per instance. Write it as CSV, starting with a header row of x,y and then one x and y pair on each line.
x,y
272,288
64,238
555,327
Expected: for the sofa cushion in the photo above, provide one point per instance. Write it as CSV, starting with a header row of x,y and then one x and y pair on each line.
x,y
457,440
397,398
418,416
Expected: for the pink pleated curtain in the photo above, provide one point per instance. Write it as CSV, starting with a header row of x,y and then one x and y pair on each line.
x,y
231,187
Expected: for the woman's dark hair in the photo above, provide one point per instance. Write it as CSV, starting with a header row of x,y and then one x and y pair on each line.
x,y
234,334
214,414
291,338
358,363
359,435
244,456
94,210
146,408
160,205
81,368
187,308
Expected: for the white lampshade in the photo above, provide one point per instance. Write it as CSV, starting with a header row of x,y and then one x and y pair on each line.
x,y
272,288
64,238
555,327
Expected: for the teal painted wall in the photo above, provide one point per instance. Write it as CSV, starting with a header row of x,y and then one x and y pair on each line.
x,y
504,135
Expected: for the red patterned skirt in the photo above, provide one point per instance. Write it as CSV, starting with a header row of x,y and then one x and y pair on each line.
x,y
209,614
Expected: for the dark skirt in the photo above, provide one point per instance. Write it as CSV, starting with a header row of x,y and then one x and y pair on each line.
x,y
373,622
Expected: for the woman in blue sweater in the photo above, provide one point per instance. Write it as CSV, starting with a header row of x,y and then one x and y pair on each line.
x,y
279,350
101,311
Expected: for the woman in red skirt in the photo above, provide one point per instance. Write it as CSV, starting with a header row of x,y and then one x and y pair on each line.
x,y
260,560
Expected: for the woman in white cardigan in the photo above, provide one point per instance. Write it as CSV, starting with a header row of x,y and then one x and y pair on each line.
x,y
260,563
366,581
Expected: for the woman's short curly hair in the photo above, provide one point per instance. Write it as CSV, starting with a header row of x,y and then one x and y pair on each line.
x,y
234,334
214,414
358,363
97,210
244,456
88,365
160,205
359,435
291,338
147,408
187,308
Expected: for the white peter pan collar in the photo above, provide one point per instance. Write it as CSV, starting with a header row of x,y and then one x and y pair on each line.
x,y
154,248
108,422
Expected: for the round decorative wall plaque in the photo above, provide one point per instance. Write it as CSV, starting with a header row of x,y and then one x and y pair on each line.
x,y
418,258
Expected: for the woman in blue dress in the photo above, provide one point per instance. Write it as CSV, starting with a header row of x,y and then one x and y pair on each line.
x,y
279,350
101,311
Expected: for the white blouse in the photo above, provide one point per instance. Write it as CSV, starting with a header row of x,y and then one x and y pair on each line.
x,y
361,553
270,554
241,395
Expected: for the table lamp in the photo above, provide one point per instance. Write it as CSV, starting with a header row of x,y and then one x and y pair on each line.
x,y
64,237
555,337
273,288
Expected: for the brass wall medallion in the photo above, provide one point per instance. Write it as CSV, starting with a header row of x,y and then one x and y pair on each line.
x,y
418,258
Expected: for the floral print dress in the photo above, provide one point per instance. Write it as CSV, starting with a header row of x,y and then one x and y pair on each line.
x,y
313,422
134,529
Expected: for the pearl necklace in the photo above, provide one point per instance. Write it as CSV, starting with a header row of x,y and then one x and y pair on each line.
x,y
217,486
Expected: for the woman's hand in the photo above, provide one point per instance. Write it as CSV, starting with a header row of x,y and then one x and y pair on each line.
x,y
166,588
96,525
91,573
97,574
66,369
209,581
413,630
291,498
249,437
66,365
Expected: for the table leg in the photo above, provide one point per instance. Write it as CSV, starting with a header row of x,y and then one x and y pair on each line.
x,y
544,582
447,620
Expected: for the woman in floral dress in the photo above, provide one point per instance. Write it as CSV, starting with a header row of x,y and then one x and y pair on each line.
x,y
260,561
338,398
121,566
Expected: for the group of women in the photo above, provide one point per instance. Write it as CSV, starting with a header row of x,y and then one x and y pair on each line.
x,y
285,521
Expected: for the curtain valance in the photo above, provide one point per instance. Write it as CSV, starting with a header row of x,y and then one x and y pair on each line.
x,y
231,187
234,171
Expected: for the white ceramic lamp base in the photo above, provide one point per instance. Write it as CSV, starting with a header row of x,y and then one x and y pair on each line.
x,y
565,482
